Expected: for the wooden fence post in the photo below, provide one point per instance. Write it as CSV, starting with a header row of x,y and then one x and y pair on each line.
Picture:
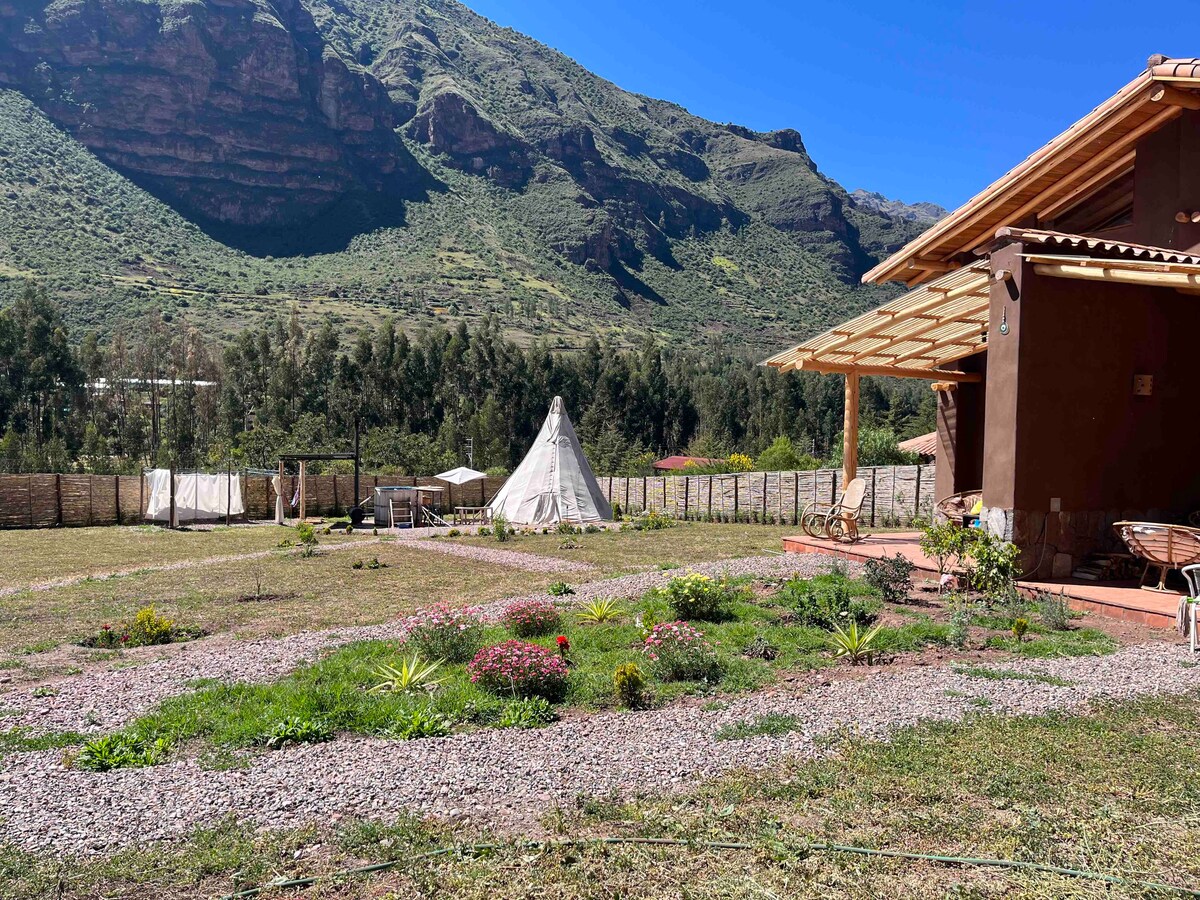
x,y
872,496
795,498
686,488
29,497
764,503
58,499
917,497
117,494
735,498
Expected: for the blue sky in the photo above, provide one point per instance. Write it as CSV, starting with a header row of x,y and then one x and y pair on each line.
x,y
921,101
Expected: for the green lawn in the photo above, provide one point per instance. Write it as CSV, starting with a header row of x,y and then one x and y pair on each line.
x,y
303,594
1113,791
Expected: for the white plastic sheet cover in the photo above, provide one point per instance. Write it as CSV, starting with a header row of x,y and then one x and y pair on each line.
x,y
554,482
196,496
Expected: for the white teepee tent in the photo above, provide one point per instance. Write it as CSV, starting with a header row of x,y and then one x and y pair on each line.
x,y
554,482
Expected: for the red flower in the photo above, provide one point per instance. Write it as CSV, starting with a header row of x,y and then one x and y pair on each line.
x,y
563,642
124,638
105,627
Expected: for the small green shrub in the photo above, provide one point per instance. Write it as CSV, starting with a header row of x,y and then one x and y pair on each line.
x,y
853,644
1019,628
421,722
946,543
307,538
653,520
892,577
1054,610
597,612
696,597
295,730
149,628
630,685
412,675
500,528
526,712
560,589
826,602
994,571
962,614
453,532
122,751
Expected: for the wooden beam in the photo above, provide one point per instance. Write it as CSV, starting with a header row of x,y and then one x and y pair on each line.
x,y
1116,275
1116,147
931,265
1108,115
932,325
944,386
828,368
1082,192
850,430
1169,96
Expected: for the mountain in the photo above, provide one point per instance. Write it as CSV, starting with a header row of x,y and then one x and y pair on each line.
x,y
223,160
923,214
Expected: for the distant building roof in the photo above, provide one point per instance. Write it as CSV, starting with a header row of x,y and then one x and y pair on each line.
x,y
922,445
678,462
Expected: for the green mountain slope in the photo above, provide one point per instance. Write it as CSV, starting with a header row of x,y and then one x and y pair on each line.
x,y
416,159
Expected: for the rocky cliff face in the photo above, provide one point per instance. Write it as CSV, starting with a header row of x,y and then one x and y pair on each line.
x,y
234,110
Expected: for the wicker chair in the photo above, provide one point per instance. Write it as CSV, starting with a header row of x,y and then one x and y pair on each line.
x,y
957,507
840,521
1163,547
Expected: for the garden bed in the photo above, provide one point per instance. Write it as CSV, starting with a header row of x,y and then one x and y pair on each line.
x,y
695,636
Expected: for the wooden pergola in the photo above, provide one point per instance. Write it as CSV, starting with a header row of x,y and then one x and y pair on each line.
x,y
913,336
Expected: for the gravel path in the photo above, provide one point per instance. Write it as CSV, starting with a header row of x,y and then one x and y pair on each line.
x,y
516,559
103,700
509,779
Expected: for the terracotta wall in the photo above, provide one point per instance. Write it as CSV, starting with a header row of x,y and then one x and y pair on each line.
x,y
1064,423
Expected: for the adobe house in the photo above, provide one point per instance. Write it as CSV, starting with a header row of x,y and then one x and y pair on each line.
x,y
1057,314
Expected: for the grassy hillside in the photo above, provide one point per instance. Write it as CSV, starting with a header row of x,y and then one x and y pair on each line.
x,y
562,203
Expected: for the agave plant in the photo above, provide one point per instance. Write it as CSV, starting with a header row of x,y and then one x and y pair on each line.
x,y
599,611
854,644
413,674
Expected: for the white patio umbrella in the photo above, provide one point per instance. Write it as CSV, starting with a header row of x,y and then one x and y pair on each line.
x,y
461,475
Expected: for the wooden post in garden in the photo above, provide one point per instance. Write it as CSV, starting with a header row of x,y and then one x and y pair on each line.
x,y
796,498
764,505
58,500
735,498
117,495
710,479
303,493
645,496
850,430
917,497
172,519
872,496
686,486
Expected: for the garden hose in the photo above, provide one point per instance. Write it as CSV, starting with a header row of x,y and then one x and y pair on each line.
x,y
469,849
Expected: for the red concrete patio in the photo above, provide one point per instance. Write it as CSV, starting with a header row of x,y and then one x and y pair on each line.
x,y
1119,600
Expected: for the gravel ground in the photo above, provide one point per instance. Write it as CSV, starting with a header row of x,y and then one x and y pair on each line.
x,y
516,559
103,700
510,779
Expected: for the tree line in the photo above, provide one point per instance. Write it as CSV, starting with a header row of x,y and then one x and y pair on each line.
x,y
163,394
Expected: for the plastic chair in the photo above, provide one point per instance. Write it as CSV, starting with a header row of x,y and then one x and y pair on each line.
x,y
1189,606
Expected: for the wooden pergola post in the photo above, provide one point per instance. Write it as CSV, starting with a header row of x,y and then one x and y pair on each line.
x,y
303,494
850,431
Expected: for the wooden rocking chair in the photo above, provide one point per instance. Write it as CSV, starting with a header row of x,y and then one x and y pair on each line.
x,y
840,521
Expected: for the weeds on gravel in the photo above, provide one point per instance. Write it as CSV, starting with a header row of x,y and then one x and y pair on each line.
x,y
1010,675
22,740
770,724
122,751
1076,791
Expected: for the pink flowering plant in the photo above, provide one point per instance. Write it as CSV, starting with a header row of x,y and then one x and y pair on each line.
x,y
520,669
532,618
444,633
679,652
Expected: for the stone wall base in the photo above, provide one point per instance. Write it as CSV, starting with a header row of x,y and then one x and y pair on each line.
x,y
1054,544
